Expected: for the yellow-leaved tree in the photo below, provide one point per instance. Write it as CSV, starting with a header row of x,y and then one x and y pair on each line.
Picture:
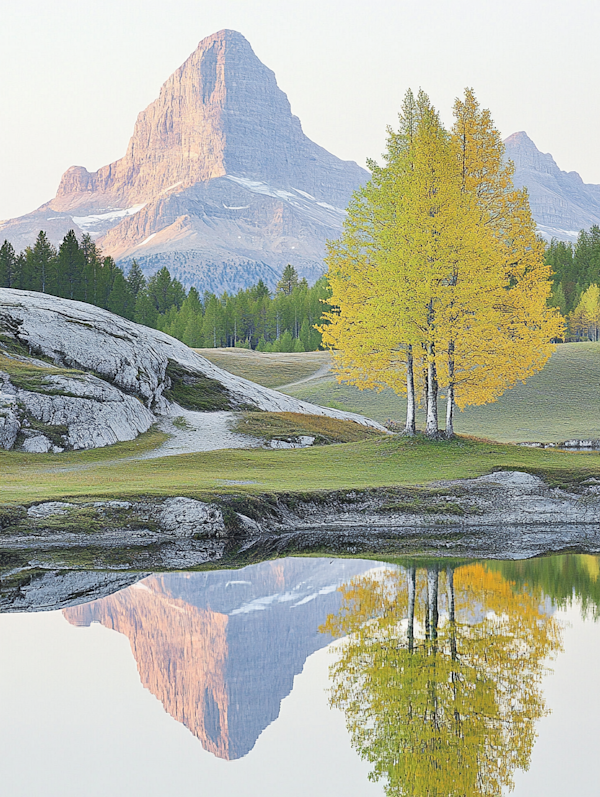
x,y
585,318
440,677
518,340
438,279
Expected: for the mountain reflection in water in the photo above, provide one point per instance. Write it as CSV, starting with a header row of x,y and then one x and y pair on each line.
x,y
439,675
220,649
440,678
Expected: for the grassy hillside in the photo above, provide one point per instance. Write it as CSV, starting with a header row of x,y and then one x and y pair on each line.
x,y
270,370
379,462
561,402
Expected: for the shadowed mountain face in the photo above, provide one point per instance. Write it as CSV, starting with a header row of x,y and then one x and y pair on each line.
x,y
561,203
219,182
220,650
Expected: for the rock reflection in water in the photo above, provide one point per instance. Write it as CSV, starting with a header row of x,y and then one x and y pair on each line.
x,y
220,649
440,678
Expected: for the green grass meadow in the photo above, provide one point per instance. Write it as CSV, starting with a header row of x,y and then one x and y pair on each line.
x,y
561,402
380,462
266,368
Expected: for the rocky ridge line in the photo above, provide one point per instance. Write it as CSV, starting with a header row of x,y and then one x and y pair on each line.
x,y
561,203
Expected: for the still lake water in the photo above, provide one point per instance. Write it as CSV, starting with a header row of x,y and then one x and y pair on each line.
x,y
308,676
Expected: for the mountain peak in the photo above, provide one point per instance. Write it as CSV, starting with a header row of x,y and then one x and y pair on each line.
x,y
218,177
180,138
520,138
561,203
220,113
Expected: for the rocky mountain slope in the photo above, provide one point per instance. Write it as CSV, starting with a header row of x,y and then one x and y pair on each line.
x,y
75,376
220,650
219,182
561,203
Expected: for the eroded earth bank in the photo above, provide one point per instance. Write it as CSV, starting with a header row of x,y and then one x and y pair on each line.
x,y
62,553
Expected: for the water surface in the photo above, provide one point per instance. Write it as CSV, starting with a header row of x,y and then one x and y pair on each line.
x,y
310,676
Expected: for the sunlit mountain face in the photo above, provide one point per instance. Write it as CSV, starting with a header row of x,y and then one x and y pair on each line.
x,y
219,183
220,650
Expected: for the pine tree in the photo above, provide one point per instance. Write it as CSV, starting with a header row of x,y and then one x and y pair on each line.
x,y
286,342
135,279
165,292
40,265
193,332
70,267
288,281
120,300
558,299
8,266
259,291
92,265
145,312
213,327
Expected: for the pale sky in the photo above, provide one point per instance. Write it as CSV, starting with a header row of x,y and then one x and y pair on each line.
x,y
74,74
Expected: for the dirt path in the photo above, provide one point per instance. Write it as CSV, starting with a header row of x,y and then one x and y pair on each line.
x,y
191,432
323,371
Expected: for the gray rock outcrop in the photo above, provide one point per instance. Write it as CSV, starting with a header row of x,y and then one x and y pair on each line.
x,y
92,413
187,517
105,379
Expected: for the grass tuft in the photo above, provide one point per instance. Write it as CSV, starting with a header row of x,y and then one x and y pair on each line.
x,y
193,392
284,425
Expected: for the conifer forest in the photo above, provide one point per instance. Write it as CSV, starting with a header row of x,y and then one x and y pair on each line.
x,y
254,318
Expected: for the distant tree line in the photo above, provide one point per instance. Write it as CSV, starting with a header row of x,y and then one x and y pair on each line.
x,y
576,290
252,318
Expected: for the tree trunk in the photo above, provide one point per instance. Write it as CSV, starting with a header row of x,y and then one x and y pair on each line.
x,y
451,611
412,589
450,396
450,412
411,421
431,426
432,597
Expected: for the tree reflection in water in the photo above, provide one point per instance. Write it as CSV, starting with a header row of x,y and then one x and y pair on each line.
x,y
440,677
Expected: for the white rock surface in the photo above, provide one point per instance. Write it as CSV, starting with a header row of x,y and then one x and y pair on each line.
x,y
100,415
185,517
510,478
95,412
38,444
57,590
303,441
132,362
49,508
9,421
191,431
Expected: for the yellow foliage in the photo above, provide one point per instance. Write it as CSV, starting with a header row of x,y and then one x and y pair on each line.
x,y
439,257
585,318
440,677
